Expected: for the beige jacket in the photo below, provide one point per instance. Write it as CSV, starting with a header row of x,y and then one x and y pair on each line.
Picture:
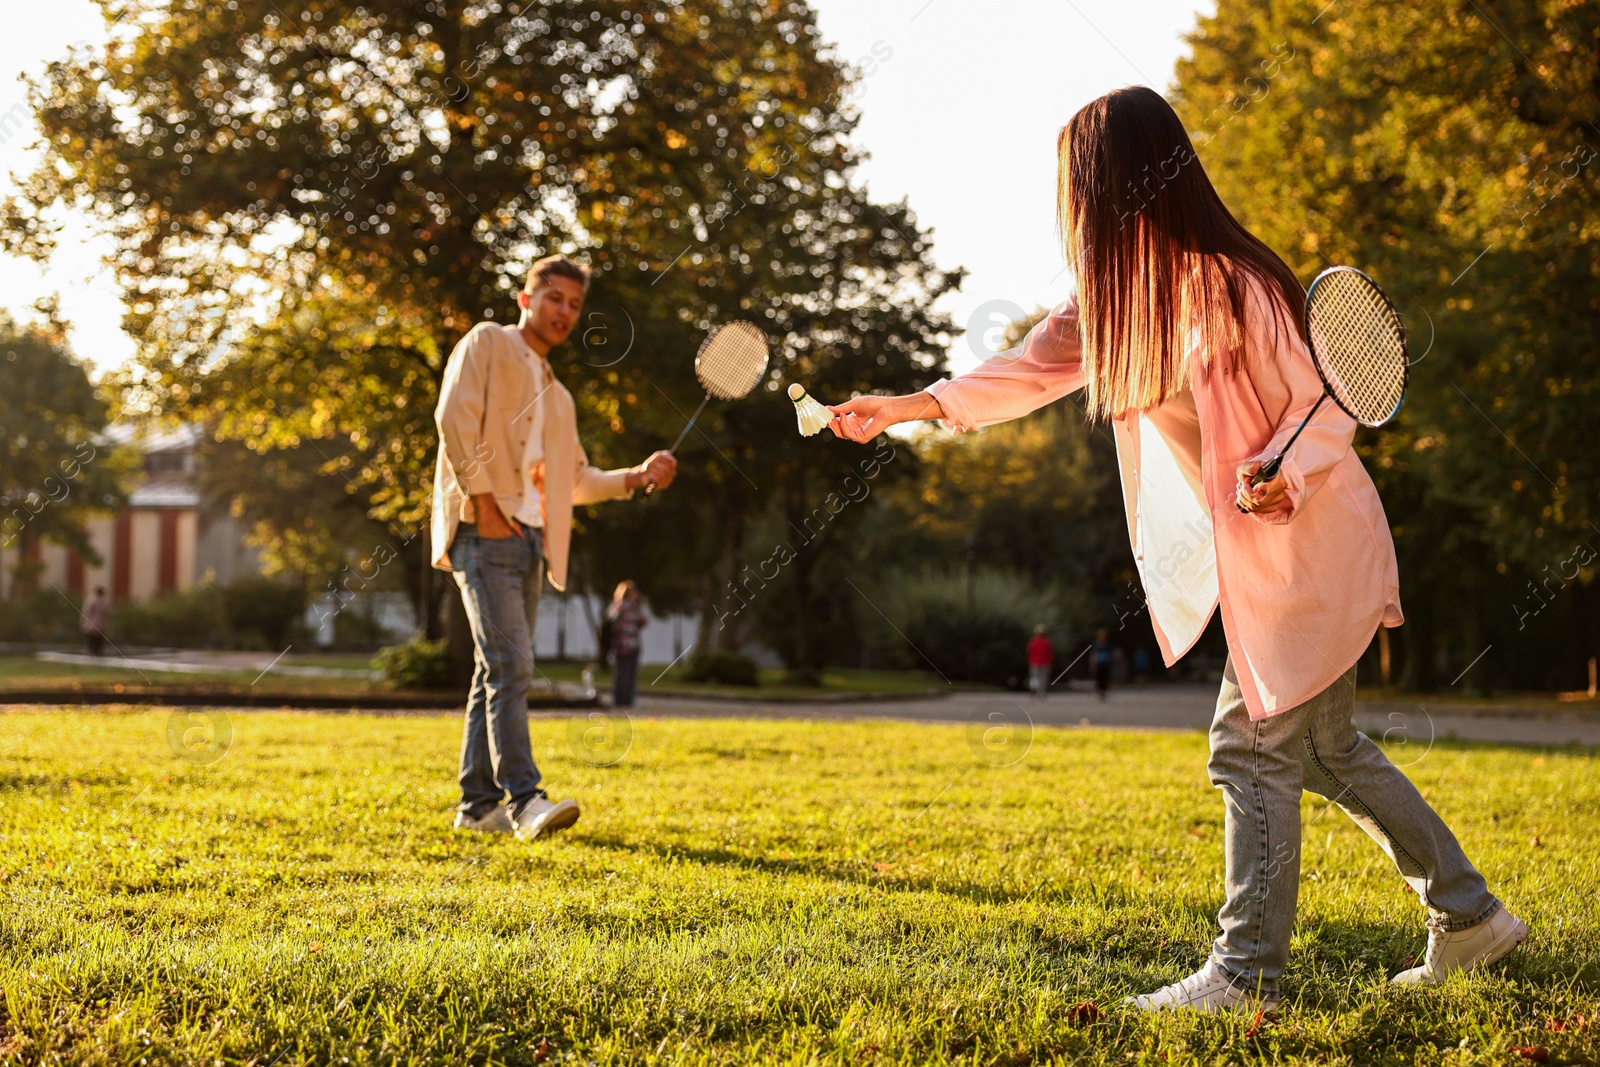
x,y
485,412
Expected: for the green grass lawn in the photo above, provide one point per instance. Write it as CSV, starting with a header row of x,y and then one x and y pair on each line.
x,y
737,892
775,684
22,672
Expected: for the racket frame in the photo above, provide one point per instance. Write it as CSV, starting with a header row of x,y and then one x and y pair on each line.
x,y
1316,361
766,360
1270,470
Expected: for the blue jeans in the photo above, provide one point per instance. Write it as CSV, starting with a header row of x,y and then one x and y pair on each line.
x,y
625,680
499,580
1261,767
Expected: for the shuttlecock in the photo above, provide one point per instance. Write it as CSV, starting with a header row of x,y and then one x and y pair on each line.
x,y
813,416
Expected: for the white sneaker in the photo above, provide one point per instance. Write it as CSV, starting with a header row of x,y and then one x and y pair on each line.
x,y
538,817
1450,951
1210,989
497,820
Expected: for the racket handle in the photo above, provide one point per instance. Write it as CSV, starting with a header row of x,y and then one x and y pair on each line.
x,y
1269,471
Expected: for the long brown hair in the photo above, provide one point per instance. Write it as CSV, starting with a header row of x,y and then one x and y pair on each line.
x,y
1155,252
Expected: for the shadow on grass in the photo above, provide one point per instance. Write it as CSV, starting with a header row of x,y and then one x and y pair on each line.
x,y
1098,895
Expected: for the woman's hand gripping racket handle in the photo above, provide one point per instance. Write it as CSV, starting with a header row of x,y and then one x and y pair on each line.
x,y
1269,470
1358,347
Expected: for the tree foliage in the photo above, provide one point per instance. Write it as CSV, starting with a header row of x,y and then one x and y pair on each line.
x,y
57,468
313,201
1451,151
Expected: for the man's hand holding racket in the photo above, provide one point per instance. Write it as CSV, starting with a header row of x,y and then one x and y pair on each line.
x,y
658,470
865,417
731,360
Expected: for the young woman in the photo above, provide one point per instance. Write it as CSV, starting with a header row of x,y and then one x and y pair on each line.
x,y
1185,334
626,615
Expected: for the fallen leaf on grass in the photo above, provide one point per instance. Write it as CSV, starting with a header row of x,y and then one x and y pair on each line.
x,y
1197,832
316,946
1559,1026
1085,1011
542,1053
884,866
1536,1053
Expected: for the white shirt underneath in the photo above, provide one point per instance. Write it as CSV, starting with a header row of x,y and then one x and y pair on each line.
x,y
1175,548
525,507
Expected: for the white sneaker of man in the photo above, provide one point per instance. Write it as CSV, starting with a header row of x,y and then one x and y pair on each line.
x,y
1477,946
1210,989
539,816
497,820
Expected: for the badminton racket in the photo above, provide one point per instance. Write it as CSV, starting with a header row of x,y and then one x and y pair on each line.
x,y
731,360
1358,345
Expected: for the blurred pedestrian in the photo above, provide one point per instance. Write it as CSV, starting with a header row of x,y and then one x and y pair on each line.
x,y
626,616
96,617
1041,660
1100,660
1141,665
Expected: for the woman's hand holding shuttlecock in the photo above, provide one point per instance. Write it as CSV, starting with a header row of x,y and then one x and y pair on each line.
x,y
865,417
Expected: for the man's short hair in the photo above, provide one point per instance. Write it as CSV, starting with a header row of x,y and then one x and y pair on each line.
x,y
557,267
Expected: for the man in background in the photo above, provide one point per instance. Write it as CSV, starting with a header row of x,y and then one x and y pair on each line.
x,y
1100,661
96,617
510,470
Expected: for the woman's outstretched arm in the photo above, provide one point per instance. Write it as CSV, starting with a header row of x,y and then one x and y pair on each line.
x,y
1045,367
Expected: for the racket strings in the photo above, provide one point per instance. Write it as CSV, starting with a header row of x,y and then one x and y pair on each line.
x,y
1359,344
732,360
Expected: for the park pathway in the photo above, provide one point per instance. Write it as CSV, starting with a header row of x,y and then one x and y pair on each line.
x,y
1159,707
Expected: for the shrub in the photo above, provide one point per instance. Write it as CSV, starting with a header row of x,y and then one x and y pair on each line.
x,y
250,612
193,618
722,667
931,616
263,610
805,677
353,628
46,616
417,664
995,642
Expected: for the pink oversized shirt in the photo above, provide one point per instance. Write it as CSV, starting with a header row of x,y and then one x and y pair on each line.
x,y
1303,589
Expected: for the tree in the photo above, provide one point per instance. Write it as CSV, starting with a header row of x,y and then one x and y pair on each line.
x,y
1038,497
1450,150
307,522
313,201
58,467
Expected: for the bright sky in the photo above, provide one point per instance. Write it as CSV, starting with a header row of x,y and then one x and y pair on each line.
x,y
959,114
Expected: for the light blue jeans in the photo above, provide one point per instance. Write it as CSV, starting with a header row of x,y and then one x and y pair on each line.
x,y
1261,768
499,580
